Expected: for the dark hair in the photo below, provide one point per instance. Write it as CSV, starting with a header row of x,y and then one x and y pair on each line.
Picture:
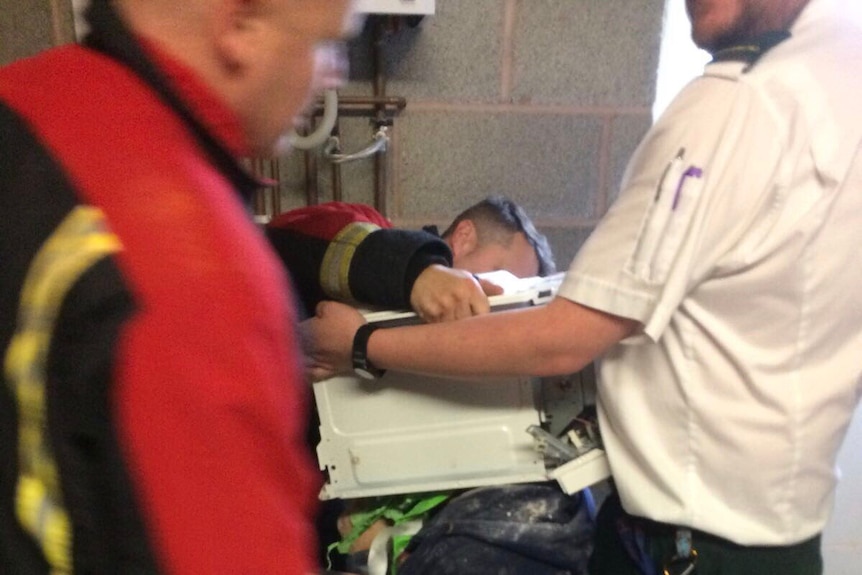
x,y
498,219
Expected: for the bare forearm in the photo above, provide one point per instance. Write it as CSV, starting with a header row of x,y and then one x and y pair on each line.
x,y
561,337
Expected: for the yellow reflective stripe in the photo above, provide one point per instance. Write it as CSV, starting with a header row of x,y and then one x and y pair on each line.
x,y
335,268
34,504
77,244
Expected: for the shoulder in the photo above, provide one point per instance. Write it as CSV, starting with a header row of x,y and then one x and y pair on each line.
x,y
328,219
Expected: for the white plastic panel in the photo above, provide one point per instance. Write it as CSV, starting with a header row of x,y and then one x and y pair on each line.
x,y
586,470
395,6
407,433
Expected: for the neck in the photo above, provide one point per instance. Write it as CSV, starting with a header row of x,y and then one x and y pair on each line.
x,y
759,18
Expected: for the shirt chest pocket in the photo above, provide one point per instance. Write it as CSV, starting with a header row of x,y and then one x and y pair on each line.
x,y
666,223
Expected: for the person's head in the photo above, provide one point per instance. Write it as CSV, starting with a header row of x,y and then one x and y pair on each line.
x,y
717,24
496,234
265,58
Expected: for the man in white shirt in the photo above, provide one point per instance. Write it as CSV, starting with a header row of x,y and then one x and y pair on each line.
x,y
716,291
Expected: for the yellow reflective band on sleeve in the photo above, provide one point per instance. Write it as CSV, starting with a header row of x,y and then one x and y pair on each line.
x,y
335,268
78,243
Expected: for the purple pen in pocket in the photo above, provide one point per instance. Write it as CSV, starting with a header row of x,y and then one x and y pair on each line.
x,y
691,172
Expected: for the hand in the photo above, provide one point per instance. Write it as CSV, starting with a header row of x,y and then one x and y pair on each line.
x,y
441,293
328,339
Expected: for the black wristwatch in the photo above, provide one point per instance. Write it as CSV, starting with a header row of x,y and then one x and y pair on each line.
x,y
362,366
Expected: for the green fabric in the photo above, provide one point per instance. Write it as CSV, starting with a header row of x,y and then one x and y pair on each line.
x,y
395,509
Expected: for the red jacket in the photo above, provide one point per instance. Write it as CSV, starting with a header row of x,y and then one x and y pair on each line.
x,y
174,408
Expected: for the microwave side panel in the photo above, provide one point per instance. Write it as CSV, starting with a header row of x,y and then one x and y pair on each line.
x,y
407,433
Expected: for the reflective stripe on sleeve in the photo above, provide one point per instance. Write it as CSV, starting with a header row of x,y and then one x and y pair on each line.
x,y
77,244
335,268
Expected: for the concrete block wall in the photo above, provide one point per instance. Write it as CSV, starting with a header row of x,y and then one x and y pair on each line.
x,y
540,100
30,26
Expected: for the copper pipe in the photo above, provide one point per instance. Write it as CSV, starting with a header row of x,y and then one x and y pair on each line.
x,y
389,101
275,174
336,169
380,92
312,192
259,198
364,105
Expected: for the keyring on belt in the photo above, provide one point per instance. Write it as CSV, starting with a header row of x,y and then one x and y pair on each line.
x,y
685,559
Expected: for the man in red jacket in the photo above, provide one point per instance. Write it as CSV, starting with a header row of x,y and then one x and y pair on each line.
x,y
152,405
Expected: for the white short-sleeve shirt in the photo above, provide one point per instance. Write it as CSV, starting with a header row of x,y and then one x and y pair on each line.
x,y
736,241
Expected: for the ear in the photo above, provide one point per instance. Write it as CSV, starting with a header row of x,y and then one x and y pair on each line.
x,y
236,32
464,238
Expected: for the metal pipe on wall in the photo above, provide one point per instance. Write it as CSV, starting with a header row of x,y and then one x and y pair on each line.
x,y
379,107
381,119
312,191
336,168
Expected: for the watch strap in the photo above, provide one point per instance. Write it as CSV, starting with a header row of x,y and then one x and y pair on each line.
x,y
362,366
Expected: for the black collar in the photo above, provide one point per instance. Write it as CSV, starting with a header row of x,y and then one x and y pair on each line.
x,y
752,50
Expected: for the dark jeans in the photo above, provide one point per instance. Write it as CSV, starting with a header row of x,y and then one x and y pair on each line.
x,y
532,529
617,534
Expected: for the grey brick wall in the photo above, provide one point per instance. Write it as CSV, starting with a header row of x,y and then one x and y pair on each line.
x,y
30,26
541,100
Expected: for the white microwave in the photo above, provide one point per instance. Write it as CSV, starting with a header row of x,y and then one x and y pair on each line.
x,y
406,433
